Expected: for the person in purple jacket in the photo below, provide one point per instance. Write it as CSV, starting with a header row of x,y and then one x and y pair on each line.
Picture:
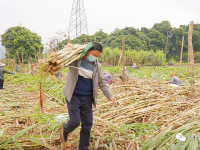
x,y
108,78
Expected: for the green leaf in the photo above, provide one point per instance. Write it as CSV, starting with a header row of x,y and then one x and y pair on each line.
x,y
17,144
152,144
1,132
17,135
39,142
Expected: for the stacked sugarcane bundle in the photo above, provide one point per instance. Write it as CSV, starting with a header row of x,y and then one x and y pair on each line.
x,y
62,58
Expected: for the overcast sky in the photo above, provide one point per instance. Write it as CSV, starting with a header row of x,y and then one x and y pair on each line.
x,y
46,17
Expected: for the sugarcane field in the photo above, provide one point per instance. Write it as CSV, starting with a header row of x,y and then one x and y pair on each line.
x,y
118,79
149,114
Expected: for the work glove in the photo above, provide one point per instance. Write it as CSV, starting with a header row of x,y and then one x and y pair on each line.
x,y
89,45
13,73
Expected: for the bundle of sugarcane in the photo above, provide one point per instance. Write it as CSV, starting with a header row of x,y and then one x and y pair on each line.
x,y
62,58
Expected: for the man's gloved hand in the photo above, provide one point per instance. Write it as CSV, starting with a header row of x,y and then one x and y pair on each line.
x,y
89,45
13,73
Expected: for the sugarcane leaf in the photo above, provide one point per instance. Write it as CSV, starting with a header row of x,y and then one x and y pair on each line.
x,y
1,132
39,142
17,144
193,145
97,144
152,144
17,135
110,146
195,119
177,145
186,144
24,131
163,142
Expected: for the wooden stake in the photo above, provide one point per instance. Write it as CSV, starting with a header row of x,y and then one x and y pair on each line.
x,y
120,60
123,61
57,44
181,56
40,52
22,63
85,40
35,59
68,39
166,46
190,51
14,63
51,47
60,70
188,64
40,56
153,60
18,57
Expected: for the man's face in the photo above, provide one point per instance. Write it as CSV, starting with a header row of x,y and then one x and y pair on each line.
x,y
94,53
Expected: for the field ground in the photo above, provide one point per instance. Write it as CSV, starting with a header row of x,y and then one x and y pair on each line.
x,y
148,114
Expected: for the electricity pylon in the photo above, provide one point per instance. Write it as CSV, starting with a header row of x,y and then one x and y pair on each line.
x,y
78,22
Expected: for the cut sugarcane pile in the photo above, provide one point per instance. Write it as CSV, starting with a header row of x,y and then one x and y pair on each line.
x,y
62,58
149,101
144,110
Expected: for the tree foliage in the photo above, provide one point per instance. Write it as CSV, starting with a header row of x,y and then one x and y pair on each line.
x,y
21,39
154,38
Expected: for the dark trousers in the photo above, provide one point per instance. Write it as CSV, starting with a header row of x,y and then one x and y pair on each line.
x,y
80,110
1,83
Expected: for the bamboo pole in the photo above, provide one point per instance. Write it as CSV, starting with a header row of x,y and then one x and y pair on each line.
x,y
190,51
181,56
153,60
123,61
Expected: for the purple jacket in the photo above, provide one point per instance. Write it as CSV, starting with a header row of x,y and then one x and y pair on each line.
x,y
107,76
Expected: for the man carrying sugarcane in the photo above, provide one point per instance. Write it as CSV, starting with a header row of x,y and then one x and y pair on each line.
x,y
2,71
81,90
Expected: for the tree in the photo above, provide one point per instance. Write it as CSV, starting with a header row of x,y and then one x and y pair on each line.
x,y
176,35
163,27
23,40
131,42
101,37
158,40
144,30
